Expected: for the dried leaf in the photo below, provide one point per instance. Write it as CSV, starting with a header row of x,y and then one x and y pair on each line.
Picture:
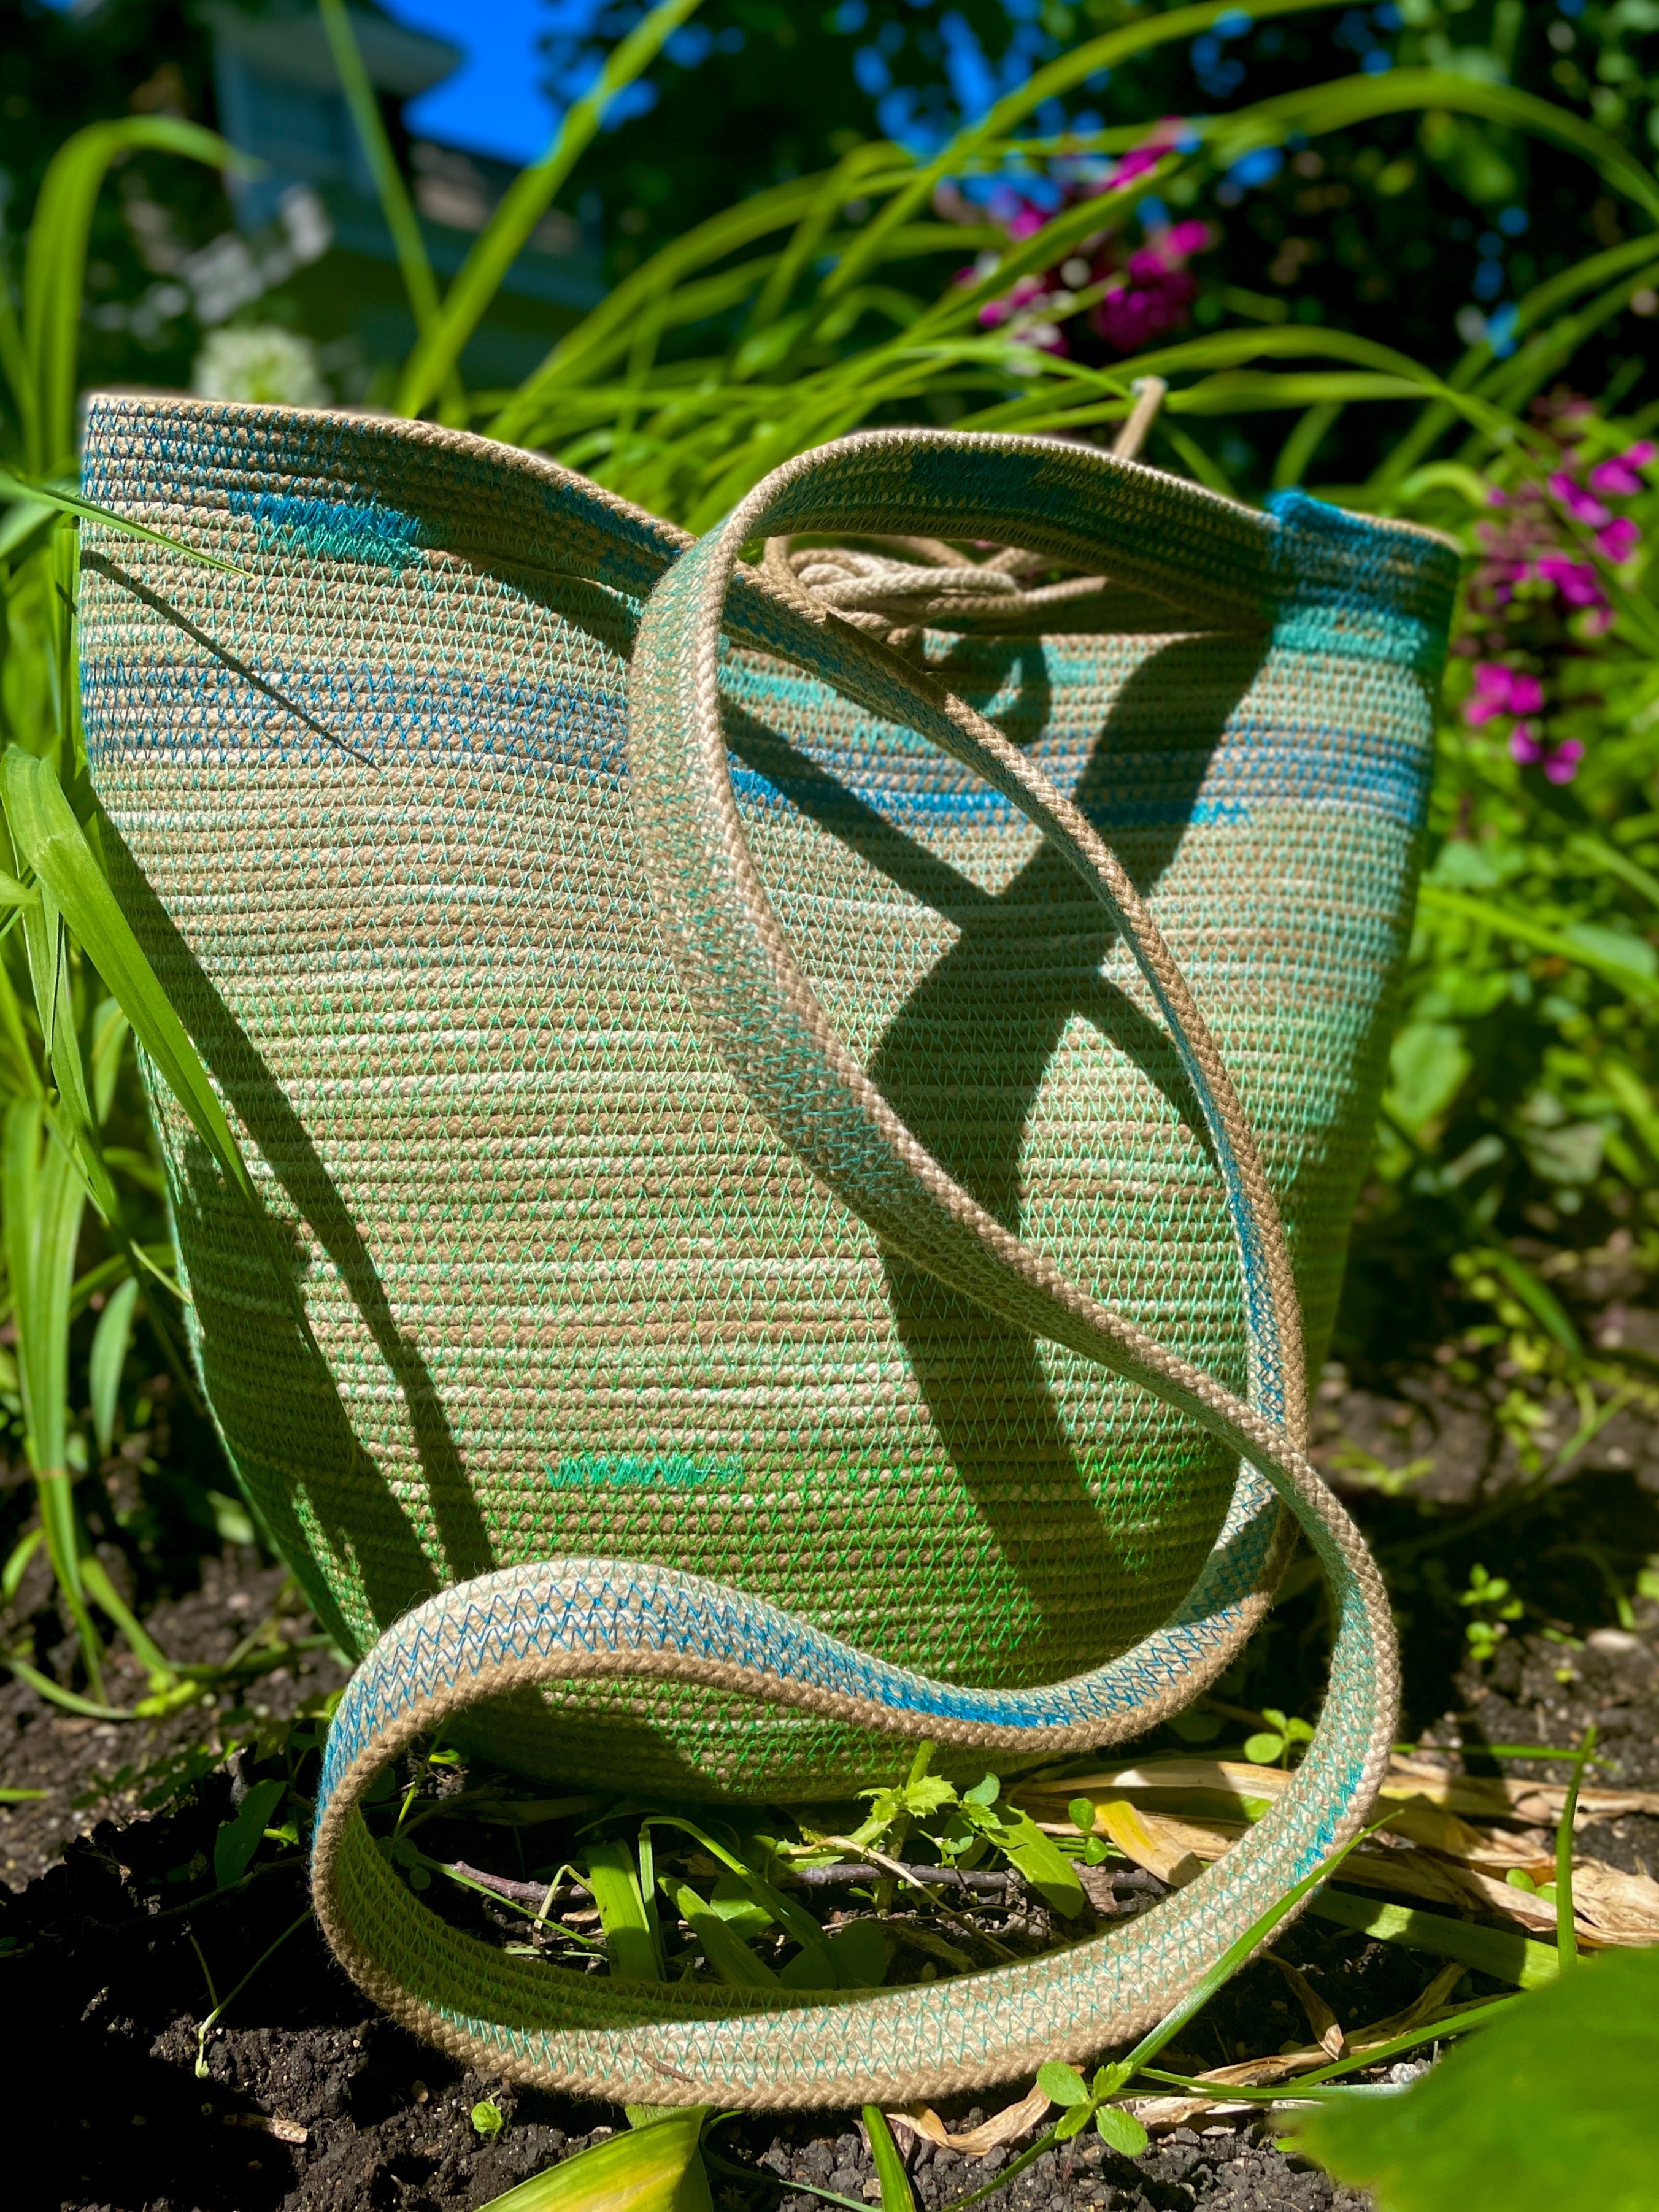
x,y
1164,1847
1507,1797
1004,2127
1436,1829
1155,2112
1613,1906
1234,1778
1322,2021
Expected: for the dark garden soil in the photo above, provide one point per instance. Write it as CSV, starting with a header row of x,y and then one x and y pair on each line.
x,y
110,1924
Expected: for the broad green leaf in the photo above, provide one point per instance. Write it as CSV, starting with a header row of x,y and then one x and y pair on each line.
x,y
1538,2113
1426,1069
1604,948
860,1954
1042,1863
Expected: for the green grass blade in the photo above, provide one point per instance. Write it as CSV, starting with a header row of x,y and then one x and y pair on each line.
x,y
49,838
102,1591
602,337
42,1206
1541,1302
984,140
1544,937
439,350
1377,2054
724,1948
14,366
396,206
54,265
70,1701
109,1355
44,1202
1566,1934
896,2191
20,489
1633,1097
844,182
1507,1957
792,1918
1235,1955
1358,99
629,1938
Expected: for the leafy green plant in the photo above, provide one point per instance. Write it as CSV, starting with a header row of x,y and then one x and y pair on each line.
x,y
1271,1746
1494,1608
1085,2101
964,1826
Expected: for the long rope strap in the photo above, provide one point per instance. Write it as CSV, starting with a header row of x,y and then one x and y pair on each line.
x,y
587,1619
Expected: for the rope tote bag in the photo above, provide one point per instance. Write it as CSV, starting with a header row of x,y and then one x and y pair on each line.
x,y
780,1062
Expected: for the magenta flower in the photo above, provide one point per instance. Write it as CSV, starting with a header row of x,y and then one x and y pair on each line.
x,y
1500,690
1579,503
1618,540
1183,238
1137,163
1155,300
1529,749
1576,580
1617,478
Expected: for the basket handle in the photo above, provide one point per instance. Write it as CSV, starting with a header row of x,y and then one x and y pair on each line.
x,y
576,1620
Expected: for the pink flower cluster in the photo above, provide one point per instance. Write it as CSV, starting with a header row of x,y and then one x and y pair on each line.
x,y
1500,690
1158,292
1538,594
1151,290
1616,535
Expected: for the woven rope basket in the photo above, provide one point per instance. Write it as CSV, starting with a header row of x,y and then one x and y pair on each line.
x,y
781,1109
